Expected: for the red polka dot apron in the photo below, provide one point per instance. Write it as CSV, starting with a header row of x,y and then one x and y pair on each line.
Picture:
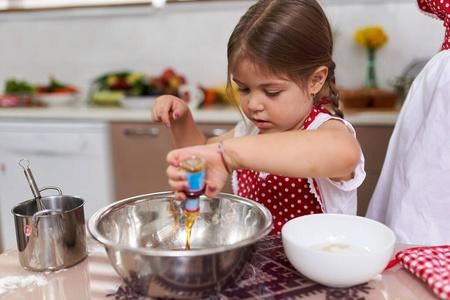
x,y
441,9
285,197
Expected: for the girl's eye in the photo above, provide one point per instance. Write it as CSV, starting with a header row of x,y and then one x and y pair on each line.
x,y
242,90
272,94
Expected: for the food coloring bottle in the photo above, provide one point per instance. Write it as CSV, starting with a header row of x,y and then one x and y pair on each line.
x,y
194,167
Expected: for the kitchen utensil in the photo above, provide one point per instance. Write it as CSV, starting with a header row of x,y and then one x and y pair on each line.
x,y
32,183
338,250
192,94
53,238
403,82
145,239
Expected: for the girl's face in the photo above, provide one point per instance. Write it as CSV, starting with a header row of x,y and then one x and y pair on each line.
x,y
273,104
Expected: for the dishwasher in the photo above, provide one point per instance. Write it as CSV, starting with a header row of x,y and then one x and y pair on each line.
x,y
73,156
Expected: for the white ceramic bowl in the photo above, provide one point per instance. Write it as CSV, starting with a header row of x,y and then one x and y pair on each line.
x,y
143,102
58,99
338,250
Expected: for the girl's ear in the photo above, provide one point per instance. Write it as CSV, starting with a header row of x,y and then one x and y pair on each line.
x,y
318,79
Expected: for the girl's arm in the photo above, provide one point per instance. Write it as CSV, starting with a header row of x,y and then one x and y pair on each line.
x,y
330,151
177,116
325,152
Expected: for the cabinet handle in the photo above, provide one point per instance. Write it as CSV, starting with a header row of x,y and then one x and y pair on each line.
x,y
214,132
142,132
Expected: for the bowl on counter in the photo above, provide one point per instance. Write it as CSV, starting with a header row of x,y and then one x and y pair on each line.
x,y
58,99
145,239
142,102
338,250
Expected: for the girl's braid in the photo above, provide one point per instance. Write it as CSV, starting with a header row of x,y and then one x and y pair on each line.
x,y
334,96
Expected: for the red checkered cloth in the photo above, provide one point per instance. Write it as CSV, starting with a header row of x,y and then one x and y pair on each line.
x,y
431,264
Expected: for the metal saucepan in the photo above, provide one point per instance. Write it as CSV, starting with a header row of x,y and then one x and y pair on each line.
x,y
53,238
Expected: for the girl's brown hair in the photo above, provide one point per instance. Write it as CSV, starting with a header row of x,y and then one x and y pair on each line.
x,y
290,37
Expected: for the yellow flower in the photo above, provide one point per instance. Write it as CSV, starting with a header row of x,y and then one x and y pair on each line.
x,y
371,37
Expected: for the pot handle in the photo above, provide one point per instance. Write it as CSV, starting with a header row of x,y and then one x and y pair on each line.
x,y
51,188
46,212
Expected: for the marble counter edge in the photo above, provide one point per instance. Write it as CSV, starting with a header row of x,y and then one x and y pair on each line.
x,y
117,114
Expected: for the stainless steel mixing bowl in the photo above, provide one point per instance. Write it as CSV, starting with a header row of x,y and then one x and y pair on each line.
x,y
145,239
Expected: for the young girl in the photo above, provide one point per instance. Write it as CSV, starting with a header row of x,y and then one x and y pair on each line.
x,y
290,153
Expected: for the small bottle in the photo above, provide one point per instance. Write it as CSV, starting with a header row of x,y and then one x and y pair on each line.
x,y
194,167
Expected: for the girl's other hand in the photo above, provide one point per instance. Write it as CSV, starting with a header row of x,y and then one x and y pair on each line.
x,y
215,176
167,108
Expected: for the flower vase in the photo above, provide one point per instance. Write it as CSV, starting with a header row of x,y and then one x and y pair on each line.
x,y
371,76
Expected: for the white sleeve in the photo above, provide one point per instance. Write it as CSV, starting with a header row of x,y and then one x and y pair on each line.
x,y
242,128
340,197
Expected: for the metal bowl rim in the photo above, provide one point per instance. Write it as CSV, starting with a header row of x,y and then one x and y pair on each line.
x,y
101,213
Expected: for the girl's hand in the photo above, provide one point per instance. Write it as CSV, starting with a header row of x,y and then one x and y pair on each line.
x,y
167,108
215,176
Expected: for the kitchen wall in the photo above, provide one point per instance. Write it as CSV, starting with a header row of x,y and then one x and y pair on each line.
x,y
78,45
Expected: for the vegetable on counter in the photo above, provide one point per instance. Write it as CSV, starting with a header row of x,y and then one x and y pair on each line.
x,y
13,86
55,86
110,87
219,95
17,93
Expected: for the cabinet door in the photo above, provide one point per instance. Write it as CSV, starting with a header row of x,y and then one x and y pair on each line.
x,y
139,154
374,141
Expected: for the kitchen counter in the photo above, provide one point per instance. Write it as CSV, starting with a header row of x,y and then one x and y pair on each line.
x,y
269,275
109,114
81,112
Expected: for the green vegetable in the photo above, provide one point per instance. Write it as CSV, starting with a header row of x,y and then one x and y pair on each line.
x,y
13,86
54,85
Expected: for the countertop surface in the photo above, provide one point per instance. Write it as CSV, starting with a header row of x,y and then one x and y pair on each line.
x,y
83,112
269,275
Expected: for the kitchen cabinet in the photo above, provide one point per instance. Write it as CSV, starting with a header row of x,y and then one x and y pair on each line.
x,y
374,141
72,155
139,156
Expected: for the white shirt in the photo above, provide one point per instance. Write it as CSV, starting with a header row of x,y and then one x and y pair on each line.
x,y
339,197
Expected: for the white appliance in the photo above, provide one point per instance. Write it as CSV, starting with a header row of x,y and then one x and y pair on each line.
x,y
74,156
